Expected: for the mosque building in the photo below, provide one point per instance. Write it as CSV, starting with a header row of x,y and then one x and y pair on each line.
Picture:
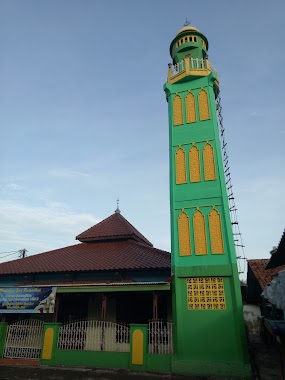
x,y
115,301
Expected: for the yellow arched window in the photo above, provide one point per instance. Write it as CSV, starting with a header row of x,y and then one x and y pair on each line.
x,y
199,233
190,108
203,105
209,163
194,164
184,234
177,110
216,236
180,166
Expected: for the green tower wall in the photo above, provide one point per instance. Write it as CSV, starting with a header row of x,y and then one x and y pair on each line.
x,y
207,341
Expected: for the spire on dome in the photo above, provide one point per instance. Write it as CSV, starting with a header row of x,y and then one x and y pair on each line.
x,y
117,209
187,22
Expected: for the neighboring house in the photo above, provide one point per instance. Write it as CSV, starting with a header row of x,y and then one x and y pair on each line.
x,y
275,290
258,277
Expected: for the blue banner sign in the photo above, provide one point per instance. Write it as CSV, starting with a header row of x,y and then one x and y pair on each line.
x,y
27,299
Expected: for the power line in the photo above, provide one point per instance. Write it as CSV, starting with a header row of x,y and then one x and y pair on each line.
x,y
21,252
8,252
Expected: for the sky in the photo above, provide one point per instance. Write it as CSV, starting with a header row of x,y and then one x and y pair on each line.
x,y
84,119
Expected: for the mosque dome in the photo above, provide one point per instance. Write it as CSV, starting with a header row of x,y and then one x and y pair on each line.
x,y
188,28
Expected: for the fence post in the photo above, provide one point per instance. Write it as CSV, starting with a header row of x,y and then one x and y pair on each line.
x,y
3,333
50,339
138,340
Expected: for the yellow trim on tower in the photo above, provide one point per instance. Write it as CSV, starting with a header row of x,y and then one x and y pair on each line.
x,y
203,105
184,234
180,166
190,108
209,163
216,236
177,110
194,164
206,293
199,233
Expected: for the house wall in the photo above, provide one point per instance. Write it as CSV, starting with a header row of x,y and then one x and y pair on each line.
x,y
254,289
67,277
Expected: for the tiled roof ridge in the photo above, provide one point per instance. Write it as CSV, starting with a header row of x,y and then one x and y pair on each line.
x,y
114,218
134,230
161,251
97,224
28,258
112,255
262,275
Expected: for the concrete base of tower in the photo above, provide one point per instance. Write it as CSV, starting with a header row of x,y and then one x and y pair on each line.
x,y
233,370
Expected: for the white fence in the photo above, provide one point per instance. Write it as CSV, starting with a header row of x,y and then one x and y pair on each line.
x,y
24,339
160,340
178,68
195,63
94,336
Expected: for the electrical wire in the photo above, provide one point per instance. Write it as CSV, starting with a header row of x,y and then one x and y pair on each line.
x,y
9,254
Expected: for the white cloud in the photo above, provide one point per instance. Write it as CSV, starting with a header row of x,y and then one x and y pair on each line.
x,y
69,174
11,187
40,228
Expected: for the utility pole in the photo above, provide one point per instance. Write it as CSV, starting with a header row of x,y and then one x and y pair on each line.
x,y
22,253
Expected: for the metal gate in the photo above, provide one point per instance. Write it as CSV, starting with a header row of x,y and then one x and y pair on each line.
x,y
24,339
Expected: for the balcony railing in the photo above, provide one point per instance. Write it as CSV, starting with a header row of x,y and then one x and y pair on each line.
x,y
190,64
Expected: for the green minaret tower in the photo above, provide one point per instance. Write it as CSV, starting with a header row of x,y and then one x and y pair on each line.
x,y
207,307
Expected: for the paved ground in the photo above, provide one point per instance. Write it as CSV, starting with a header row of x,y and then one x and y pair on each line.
x,y
36,373
266,359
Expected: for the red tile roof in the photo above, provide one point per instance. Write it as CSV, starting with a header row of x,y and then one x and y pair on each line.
x,y
263,276
113,227
99,256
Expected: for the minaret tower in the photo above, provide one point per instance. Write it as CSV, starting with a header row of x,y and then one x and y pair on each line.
x,y
207,307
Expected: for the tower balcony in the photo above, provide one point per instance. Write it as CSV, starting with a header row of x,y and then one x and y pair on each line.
x,y
190,68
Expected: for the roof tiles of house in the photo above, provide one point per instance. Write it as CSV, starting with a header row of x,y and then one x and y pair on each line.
x,y
263,276
113,244
113,227
102,256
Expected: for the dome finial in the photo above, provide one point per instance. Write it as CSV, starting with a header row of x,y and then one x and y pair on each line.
x,y
187,22
117,209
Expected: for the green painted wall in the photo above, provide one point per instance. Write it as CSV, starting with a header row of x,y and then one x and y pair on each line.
x,y
3,332
92,359
207,342
158,363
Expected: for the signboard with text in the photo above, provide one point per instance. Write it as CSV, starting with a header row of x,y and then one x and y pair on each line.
x,y
27,299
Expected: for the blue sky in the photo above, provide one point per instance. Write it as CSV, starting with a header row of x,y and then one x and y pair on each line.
x,y
84,117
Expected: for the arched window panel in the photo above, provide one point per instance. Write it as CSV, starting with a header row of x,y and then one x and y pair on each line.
x,y
184,234
209,163
199,233
190,108
203,105
180,166
215,225
194,164
177,110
